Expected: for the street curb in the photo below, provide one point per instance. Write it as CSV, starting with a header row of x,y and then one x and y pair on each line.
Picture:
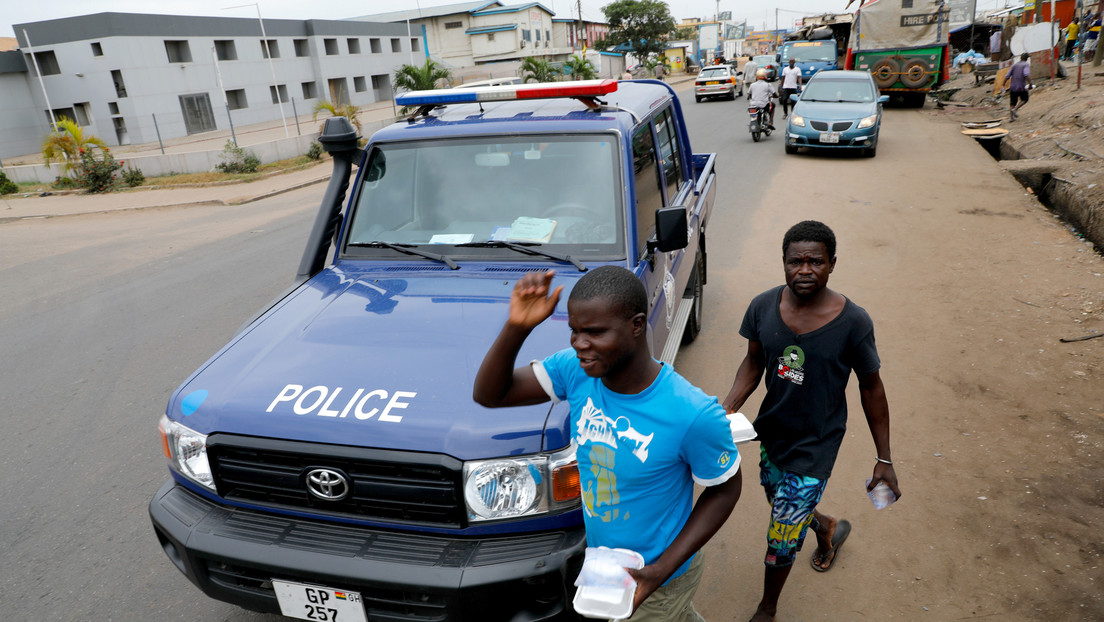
x,y
273,193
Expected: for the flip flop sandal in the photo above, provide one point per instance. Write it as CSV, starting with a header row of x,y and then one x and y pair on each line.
x,y
843,529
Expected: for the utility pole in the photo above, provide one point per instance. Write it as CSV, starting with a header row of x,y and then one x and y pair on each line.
x,y
579,26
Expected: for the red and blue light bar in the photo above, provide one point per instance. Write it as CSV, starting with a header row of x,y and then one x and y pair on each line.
x,y
510,92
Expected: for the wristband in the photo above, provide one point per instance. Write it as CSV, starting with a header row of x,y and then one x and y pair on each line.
x,y
889,462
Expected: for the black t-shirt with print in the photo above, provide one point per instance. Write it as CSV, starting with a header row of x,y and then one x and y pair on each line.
x,y
803,418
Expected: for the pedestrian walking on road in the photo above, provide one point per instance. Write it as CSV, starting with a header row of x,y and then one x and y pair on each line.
x,y
750,69
1071,38
808,339
643,434
791,80
1018,81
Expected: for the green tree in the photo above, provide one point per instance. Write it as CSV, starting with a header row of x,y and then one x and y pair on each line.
x,y
421,77
348,111
580,68
67,141
643,24
537,70
685,33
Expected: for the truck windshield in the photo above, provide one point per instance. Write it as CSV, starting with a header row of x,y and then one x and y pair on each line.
x,y
809,51
560,191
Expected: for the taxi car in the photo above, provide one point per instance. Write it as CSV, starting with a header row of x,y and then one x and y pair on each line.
x,y
718,81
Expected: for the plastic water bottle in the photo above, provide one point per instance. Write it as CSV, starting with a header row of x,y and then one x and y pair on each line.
x,y
882,497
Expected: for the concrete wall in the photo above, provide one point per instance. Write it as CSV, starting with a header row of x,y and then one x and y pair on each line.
x,y
21,120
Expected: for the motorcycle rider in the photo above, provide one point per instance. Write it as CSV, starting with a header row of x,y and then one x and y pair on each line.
x,y
760,95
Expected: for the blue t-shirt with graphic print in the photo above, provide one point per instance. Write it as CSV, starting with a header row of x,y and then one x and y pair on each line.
x,y
639,455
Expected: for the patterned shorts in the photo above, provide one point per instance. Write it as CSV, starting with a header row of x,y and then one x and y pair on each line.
x,y
793,498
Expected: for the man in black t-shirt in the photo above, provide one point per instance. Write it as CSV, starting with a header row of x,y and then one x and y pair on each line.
x,y
810,338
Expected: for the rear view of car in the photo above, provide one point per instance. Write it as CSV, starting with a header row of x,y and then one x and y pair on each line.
x,y
717,81
837,110
767,63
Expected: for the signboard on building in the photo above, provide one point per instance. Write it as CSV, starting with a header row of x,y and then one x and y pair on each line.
x,y
708,36
725,16
962,12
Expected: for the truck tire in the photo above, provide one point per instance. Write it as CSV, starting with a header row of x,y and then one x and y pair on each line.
x,y
916,74
695,286
885,72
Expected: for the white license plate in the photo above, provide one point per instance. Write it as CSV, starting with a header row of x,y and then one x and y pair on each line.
x,y
829,137
321,604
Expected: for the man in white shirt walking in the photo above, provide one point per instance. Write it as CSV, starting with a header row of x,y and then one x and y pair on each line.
x,y
791,80
750,68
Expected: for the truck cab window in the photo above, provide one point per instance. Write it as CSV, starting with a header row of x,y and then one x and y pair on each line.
x,y
649,196
669,154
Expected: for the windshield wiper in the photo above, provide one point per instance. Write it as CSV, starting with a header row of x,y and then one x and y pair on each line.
x,y
524,247
408,249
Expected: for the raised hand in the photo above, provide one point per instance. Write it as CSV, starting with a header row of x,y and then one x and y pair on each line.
x,y
530,302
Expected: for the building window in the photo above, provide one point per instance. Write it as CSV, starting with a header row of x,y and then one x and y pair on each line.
x,y
396,45
310,90
178,51
526,35
354,45
82,110
236,99
302,48
331,47
451,25
547,35
415,45
113,107
225,50
97,49
537,33
375,46
120,86
360,84
283,93
270,49
490,37
45,62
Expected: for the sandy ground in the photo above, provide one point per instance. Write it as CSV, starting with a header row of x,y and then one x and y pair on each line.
x,y
998,426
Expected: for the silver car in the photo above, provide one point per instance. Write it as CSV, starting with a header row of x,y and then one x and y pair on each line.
x,y
718,81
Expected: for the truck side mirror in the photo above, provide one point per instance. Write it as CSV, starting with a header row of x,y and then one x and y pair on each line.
x,y
671,228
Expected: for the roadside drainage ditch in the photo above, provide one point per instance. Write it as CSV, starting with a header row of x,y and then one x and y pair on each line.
x,y
1043,179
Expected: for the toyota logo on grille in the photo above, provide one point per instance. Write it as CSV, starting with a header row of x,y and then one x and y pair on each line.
x,y
327,484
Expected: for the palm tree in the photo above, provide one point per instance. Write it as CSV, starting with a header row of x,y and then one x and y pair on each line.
x,y
348,111
537,70
421,78
67,141
580,68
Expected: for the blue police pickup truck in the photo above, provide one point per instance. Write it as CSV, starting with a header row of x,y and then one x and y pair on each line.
x,y
329,463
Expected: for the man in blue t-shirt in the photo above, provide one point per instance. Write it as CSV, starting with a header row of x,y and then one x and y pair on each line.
x,y
810,338
644,435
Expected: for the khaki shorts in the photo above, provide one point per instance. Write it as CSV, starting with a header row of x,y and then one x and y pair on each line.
x,y
674,602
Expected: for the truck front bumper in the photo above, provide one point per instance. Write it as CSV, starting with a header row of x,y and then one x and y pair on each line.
x,y
233,554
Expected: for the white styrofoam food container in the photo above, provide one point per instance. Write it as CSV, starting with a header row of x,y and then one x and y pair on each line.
x,y
606,589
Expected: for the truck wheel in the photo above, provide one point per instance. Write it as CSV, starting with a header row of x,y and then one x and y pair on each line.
x,y
696,285
885,72
915,74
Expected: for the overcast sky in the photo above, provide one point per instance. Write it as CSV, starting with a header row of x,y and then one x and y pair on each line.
x,y
758,13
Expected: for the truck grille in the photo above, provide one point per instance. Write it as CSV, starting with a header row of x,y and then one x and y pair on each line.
x,y
389,486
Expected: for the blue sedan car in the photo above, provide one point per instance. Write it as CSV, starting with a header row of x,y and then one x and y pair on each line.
x,y
836,110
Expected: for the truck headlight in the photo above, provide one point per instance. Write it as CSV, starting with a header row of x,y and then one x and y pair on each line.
x,y
521,485
186,450
868,121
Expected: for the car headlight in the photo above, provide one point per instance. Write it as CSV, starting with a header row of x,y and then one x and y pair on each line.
x,y
797,120
186,450
521,485
868,121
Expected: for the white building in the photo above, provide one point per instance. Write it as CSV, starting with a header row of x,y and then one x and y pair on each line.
x,y
127,77
473,33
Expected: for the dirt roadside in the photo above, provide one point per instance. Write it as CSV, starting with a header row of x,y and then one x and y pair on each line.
x,y
998,426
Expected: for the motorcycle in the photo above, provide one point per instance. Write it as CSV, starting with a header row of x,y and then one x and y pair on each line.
x,y
760,122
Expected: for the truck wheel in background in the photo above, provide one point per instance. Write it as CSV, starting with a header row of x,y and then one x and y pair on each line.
x,y
915,74
885,72
696,286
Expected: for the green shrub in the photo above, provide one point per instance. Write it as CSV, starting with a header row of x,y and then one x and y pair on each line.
x,y
314,152
97,174
133,177
237,160
65,183
7,186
